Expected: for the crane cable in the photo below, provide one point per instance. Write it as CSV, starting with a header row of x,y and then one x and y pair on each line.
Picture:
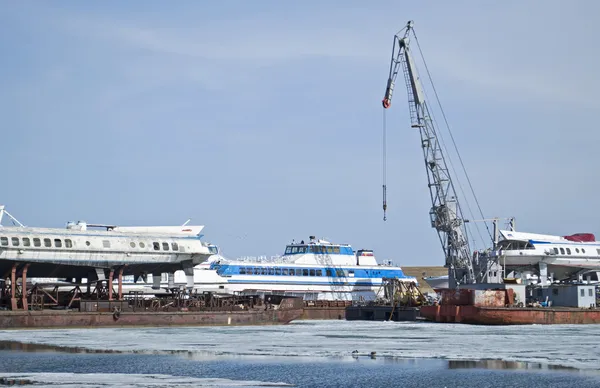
x,y
384,167
450,132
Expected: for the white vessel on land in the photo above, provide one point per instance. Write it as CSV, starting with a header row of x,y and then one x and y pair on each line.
x,y
94,252
551,257
317,270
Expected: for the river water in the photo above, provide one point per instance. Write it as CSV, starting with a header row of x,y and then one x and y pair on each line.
x,y
307,354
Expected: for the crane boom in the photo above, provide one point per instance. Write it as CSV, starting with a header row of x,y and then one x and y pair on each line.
x,y
446,215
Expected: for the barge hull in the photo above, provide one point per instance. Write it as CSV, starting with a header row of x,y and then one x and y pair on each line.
x,y
325,309
324,313
382,313
125,313
509,315
63,319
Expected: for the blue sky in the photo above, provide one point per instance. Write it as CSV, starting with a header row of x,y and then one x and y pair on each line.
x,y
262,120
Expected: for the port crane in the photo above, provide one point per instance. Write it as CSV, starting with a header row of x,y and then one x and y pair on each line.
x,y
446,213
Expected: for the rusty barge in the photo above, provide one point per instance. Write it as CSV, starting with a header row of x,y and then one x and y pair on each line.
x,y
41,308
100,304
501,306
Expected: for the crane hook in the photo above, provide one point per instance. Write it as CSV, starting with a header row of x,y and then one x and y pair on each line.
x,y
384,203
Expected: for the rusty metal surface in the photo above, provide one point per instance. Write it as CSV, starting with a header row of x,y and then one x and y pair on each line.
x,y
324,313
509,316
488,298
287,310
458,297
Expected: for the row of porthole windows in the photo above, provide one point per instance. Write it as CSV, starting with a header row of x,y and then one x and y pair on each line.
x,y
37,242
157,245
293,272
58,243
562,250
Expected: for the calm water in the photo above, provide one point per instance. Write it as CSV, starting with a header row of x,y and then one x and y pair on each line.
x,y
308,354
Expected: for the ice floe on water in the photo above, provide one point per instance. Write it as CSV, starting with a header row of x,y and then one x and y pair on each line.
x,y
101,380
576,346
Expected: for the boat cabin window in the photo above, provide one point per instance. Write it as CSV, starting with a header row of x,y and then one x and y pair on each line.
x,y
318,272
562,251
582,292
57,243
305,272
292,272
242,270
285,271
598,251
47,242
264,271
15,241
329,272
4,241
312,272
515,245
165,246
277,271
577,250
68,243
556,251
568,251
37,242
174,246
106,243
132,244
142,245
26,242
583,250
156,246
271,271
591,292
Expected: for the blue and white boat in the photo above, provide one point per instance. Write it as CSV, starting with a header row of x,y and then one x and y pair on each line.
x,y
317,270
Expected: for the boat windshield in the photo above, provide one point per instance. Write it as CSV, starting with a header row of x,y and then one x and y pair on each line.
x,y
514,245
293,249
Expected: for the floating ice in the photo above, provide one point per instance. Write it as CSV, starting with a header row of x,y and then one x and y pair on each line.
x,y
575,346
101,380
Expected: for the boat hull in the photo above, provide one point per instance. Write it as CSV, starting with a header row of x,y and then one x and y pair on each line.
x,y
288,310
509,315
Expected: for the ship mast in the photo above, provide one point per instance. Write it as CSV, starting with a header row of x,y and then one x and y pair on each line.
x,y
446,215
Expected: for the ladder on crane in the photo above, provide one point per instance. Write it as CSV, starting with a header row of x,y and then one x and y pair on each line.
x,y
446,213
